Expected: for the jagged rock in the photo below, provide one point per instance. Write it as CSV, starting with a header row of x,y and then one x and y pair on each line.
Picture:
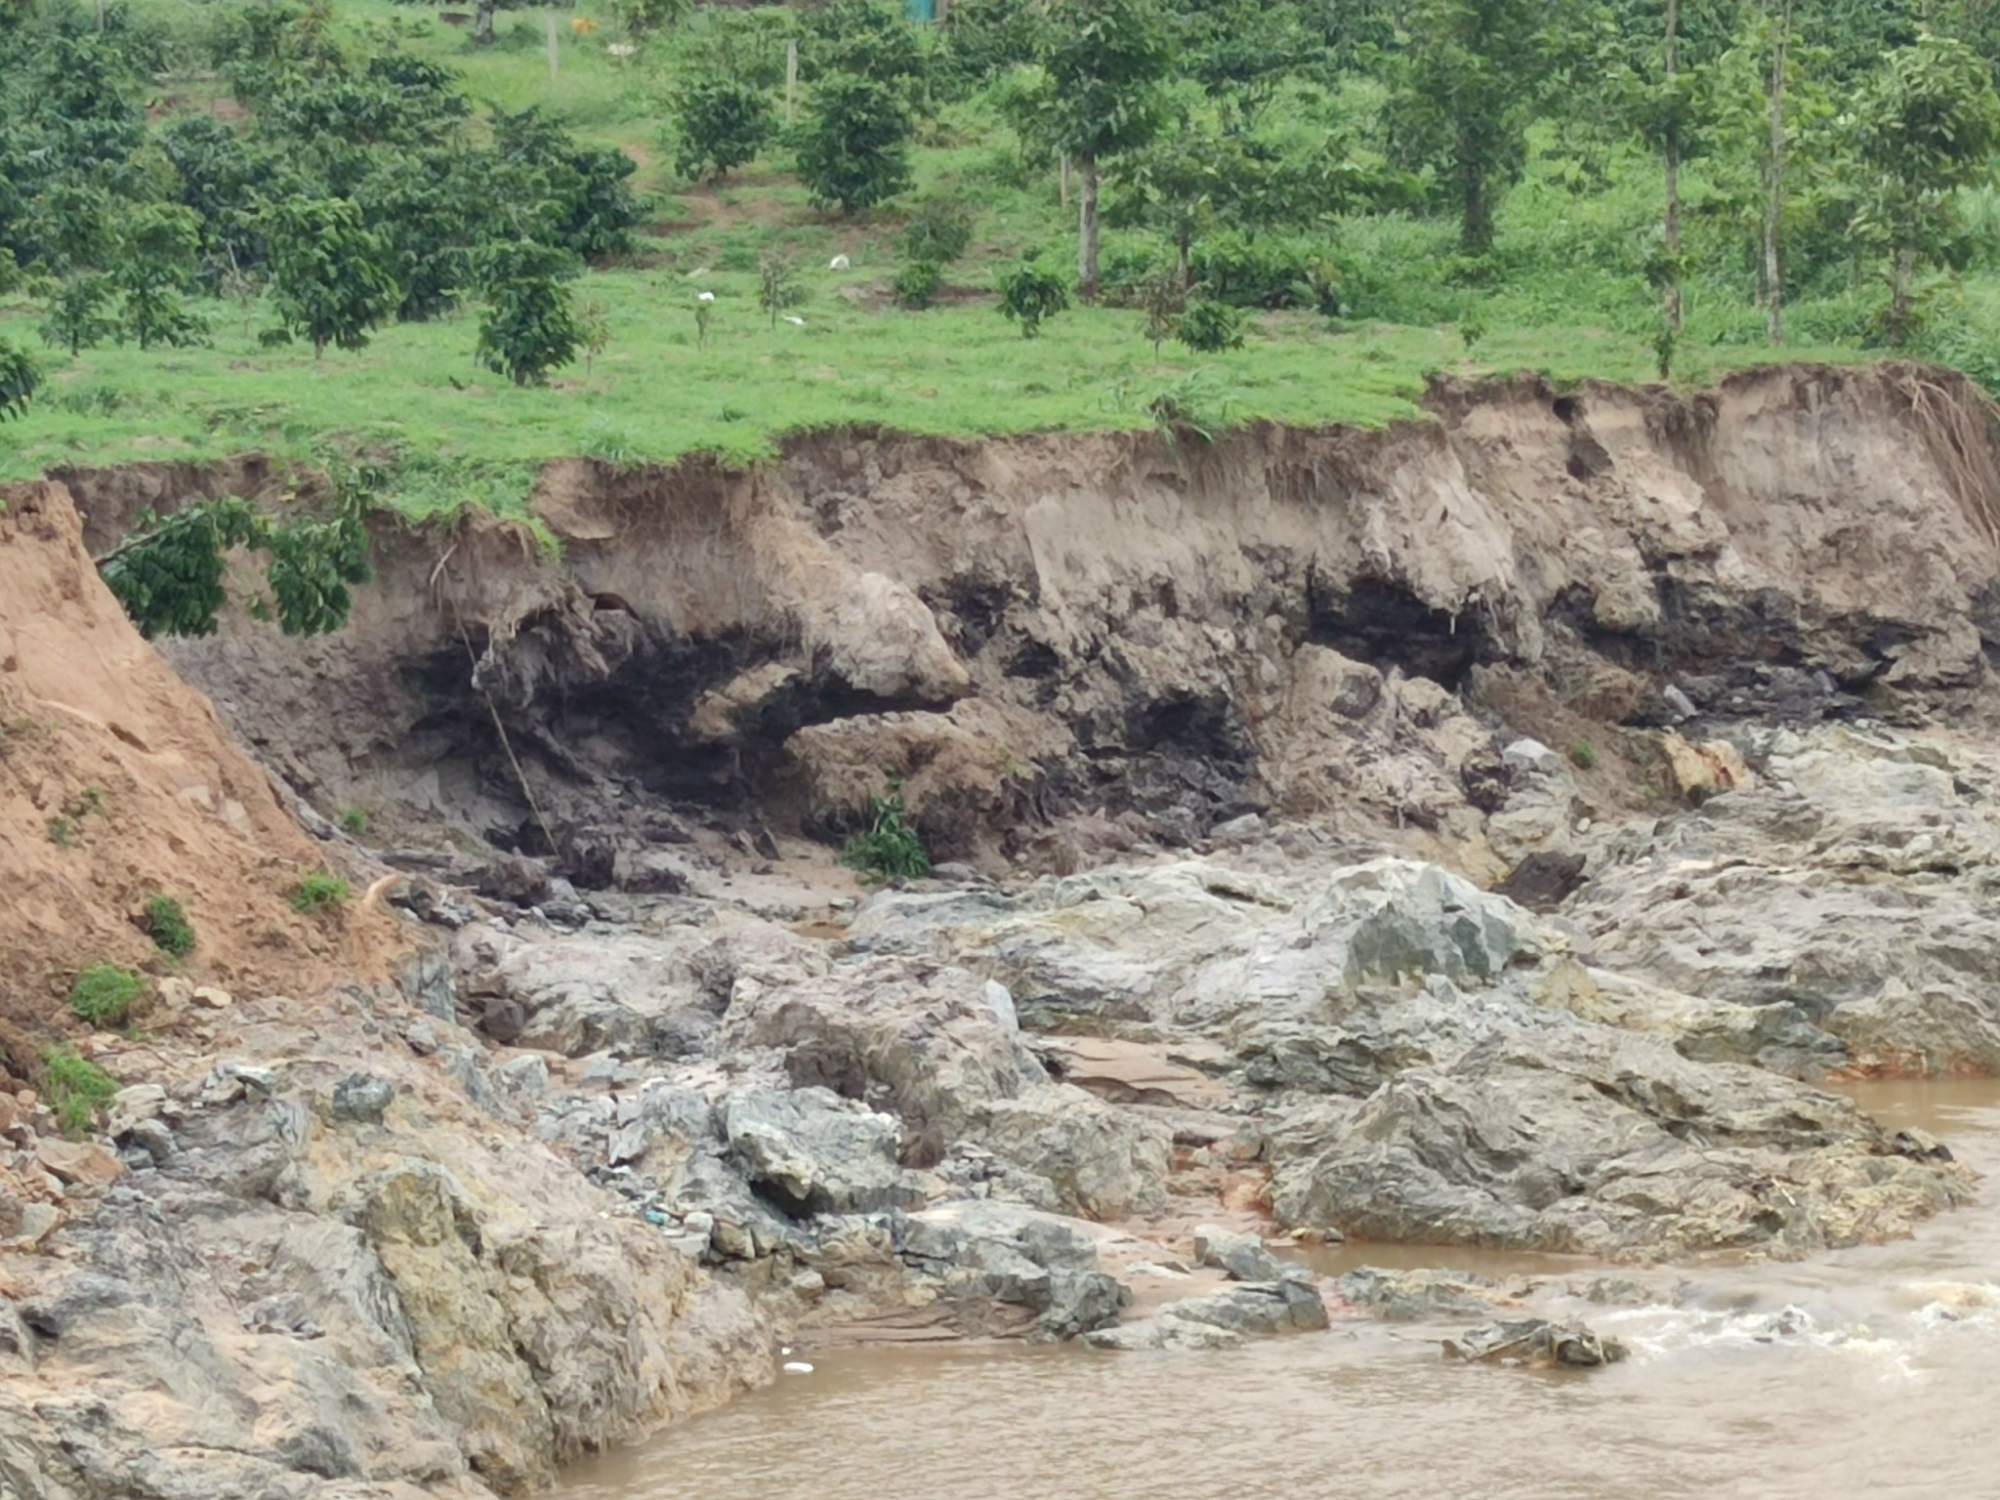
x,y
1698,772
78,1163
1535,1342
811,1152
1222,1319
362,1097
1042,1262
1419,1295
1242,1256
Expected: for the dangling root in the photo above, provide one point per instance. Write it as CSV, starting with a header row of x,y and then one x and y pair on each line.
x,y
1960,424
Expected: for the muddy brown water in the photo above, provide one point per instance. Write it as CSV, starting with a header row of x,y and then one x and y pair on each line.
x,y
1885,1387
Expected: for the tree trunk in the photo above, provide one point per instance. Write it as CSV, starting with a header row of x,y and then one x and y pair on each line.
x,y
1475,236
482,22
1673,167
1774,204
1902,270
1086,228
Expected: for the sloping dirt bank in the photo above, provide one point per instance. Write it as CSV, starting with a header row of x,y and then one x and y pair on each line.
x,y
1155,635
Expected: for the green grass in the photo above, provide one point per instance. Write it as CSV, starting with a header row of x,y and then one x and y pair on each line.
x,y
889,848
103,995
77,1089
319,891
168,926
1569,300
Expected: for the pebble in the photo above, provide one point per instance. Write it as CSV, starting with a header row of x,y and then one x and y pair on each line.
x,y
797,1367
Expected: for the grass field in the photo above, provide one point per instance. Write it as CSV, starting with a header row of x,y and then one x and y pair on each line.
x,y
1569,305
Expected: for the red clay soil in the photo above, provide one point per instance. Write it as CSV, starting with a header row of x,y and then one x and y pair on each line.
x,y
117,782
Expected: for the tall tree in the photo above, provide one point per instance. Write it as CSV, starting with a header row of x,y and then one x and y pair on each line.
x,y
328,272
1465,91
1102,62
1924,127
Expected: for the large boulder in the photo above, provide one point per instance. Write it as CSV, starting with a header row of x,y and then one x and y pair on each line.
x,y
808,1151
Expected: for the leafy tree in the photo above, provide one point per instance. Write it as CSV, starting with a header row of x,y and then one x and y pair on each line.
x,y
1208,326
19,375
1465,91
1030,294
328,273
939,230
1925,126
1173,187
777,287
530,324
425,209
219,174
577,196
171,573
79,314
1102,63
855,151
916,285
157,245
723,124
867,39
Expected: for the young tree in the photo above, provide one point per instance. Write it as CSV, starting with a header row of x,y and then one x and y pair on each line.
x,y
1924,128
79,315
19,375
1102,62
157,246
1029,294
1464,94
855,149
723,124
328,272
530,326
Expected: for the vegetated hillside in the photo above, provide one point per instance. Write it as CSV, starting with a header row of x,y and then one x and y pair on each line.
x,y
1359,194
119,787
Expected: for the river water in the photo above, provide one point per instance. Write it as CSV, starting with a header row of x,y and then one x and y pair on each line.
x,y
1884,1385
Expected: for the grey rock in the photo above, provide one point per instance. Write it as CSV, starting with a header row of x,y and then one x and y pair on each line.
x,y
1680,707
1419,1295
1531,756
810,1151
362,1097
1535,1342
1242,1256
528,1074
1014,1255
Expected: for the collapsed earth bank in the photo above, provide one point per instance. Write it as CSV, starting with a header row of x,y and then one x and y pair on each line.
x,y
1489,831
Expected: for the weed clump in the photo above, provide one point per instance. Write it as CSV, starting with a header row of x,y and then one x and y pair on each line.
x,y
168,926
103,994
318,891
889,848
1583,754
353,821
77,1089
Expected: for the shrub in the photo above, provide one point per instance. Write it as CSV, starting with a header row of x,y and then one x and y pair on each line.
x,y
916,285
318,891
889,848
104,993
1268,271
723,124
1029,294
168,926
939,231
1583,754
1208,327
76,1087
529,326
353,821
854,151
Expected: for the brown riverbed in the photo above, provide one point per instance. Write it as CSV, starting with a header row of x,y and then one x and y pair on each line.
x,y
1885,1389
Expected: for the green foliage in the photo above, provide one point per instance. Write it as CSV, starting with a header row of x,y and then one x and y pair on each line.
x,y
723,124
353,821
329,277
153,269
19,375
1101,64
1583,754
916,285
777,287
529,327
1162,295
889,848
319,891
77,1089
168,926
855,150
939,230
103,994
1030,294
1208,326
169,574
79,312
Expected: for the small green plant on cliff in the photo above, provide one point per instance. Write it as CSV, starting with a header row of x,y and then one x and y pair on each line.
x,y
318,891
1583,754
103,994
353,821
76,1087
889,848
168,926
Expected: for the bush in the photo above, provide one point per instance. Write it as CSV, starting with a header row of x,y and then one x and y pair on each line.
x,y
76,1087
1207,327
529,326
318,891
353,821
889,849
104,994
168,926
939,231
1029,294
1269,271
854,152
1583,754
723,124
916,285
